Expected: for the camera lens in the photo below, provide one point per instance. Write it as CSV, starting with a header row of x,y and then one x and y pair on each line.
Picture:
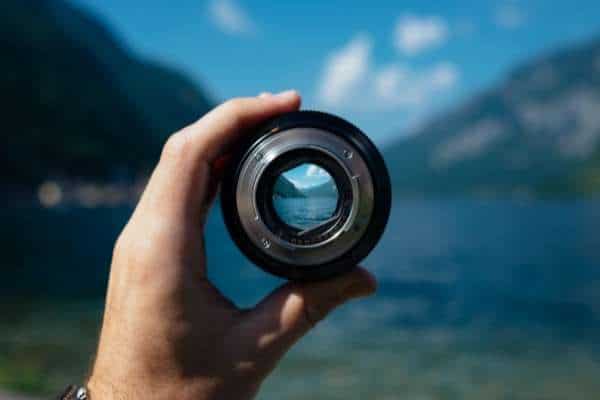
x,y
307,196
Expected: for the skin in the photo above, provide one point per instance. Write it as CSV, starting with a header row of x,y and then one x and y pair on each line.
x,y
167,331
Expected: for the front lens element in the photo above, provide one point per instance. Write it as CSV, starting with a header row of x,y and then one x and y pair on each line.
x,y
305,197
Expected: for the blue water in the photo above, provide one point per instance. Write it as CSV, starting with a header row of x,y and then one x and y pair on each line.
x,y
305,213
477,299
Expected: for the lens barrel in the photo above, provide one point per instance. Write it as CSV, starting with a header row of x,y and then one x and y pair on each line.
x,y
295,228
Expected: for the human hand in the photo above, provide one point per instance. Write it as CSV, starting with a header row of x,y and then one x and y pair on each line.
x,y
167,332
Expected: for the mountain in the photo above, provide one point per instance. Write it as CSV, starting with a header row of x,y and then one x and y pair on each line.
x,y
285,188
78,104
327,189
537,133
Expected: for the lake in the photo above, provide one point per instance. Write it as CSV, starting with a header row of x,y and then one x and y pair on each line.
x,y
478,299
305,213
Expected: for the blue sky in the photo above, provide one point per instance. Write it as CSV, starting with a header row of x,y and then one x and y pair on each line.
x,y
385,65
307,175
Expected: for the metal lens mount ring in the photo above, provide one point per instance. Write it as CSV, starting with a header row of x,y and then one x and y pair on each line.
x,y
332,246
327,224
336,243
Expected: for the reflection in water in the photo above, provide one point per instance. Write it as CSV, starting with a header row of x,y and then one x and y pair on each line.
x,y
305,213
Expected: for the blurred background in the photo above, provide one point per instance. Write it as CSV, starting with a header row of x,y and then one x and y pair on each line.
x,y
487,112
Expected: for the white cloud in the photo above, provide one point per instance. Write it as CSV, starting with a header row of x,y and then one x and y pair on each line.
x,y
345,69
351,80
443,76
389,78
509,16
314,170
396,85
228,16
415,34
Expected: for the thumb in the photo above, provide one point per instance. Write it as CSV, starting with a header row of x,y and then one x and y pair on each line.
x,y
288,313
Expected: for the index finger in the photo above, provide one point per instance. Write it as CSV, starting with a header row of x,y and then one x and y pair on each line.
x,y
180,182
212,135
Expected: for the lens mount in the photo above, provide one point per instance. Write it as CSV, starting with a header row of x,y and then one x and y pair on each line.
x,y
337,243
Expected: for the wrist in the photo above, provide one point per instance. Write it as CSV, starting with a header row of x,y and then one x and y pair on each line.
x,y
104,387
98,389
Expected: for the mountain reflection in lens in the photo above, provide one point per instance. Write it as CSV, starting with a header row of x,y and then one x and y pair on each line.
x,y
305,196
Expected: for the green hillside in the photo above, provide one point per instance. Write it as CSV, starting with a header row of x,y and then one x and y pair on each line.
x,y
285,188
327,189
77,103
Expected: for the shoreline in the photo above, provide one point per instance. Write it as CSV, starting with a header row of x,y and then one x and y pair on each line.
x,y
86,194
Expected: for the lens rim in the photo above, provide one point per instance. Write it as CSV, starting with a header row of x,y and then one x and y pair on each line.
x,y
257,162
359,143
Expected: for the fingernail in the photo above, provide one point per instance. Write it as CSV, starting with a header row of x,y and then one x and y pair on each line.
x,y
264,95
286,94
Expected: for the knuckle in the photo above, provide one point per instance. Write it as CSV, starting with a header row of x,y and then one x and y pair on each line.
x,y
313,314
175,145
234,109
316,308
123,246
126,238
234,105
131,254
246,368
120,245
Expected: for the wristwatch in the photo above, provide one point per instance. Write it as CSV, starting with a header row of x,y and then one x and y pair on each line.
x,y
74,392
